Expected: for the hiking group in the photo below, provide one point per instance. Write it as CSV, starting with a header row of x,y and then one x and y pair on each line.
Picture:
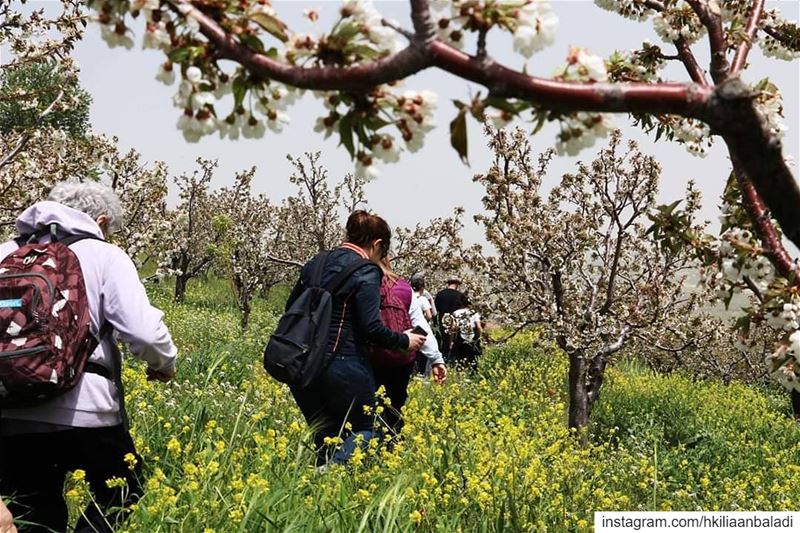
x,y
68,297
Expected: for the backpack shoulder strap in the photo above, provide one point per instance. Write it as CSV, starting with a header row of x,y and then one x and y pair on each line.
x,y
337,282
319,267
72,239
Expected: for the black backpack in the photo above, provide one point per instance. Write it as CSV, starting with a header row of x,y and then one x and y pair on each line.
x,y
296,352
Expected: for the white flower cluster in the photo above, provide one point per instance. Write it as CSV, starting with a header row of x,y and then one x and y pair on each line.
x,y
580,130
631,9
449,32
532,23
582,66
784,364
735,267
694,135
197,99
771,46
156,36
415,117
116,35
774,48
365,14
674,23
536,28
770,107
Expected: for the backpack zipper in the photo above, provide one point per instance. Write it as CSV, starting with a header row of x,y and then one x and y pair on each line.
x,y
50,288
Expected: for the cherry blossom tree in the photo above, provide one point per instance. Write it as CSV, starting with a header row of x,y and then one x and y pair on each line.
x,y
220,48
196,229
583,262
246,253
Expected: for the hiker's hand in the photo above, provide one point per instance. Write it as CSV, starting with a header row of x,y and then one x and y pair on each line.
x,y
439,372
164,376
415,341
6,520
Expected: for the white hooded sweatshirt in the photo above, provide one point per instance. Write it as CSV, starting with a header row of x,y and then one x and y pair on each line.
x,y
116,295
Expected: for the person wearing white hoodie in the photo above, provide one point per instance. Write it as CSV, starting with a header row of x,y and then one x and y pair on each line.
x,y
85,428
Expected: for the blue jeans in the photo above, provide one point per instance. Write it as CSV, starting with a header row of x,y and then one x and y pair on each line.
x,y
337,397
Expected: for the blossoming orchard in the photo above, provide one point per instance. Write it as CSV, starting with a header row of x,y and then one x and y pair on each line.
x,y
245,50
633,356
619,283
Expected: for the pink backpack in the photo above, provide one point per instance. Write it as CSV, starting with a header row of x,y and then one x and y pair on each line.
x,y
45,340
395,302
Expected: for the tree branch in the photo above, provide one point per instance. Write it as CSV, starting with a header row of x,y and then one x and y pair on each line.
x,y
709,14
728,108
762,223
689,61
26,137
740,59
281,261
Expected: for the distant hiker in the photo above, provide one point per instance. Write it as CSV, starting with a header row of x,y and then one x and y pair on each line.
x,y
448,300
65,294
334,402
466,330
400,311
424,301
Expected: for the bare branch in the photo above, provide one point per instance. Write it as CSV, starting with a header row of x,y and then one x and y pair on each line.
x,y
25,136
708,12
740,60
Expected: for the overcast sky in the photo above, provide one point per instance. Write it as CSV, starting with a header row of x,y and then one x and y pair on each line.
x,y
131,104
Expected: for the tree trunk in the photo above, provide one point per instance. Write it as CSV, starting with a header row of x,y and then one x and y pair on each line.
x,y
579,406
180,288
245,308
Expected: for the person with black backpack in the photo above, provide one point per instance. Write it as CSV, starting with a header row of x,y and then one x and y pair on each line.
x,y
319,347
66,297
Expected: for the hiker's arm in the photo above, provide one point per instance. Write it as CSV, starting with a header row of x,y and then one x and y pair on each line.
x,y
366,312
139,324
431,348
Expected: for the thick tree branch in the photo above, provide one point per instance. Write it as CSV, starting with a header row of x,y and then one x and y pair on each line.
x,y
762,223
757,153
690,62
728,108
740,60
708,12
672,98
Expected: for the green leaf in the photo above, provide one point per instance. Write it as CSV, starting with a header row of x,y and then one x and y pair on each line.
x,y
253,42
360,132
239,88
346,134
504,105
540,120
362,50
458,134
459,104
179,55
273,25
375,122
347,31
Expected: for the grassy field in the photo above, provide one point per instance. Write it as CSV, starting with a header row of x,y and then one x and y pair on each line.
x,y
226,450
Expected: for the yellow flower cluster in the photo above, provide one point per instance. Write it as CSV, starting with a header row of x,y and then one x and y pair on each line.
x,y
226,448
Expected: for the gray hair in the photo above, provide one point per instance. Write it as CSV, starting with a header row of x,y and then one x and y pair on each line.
x,y
92,198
